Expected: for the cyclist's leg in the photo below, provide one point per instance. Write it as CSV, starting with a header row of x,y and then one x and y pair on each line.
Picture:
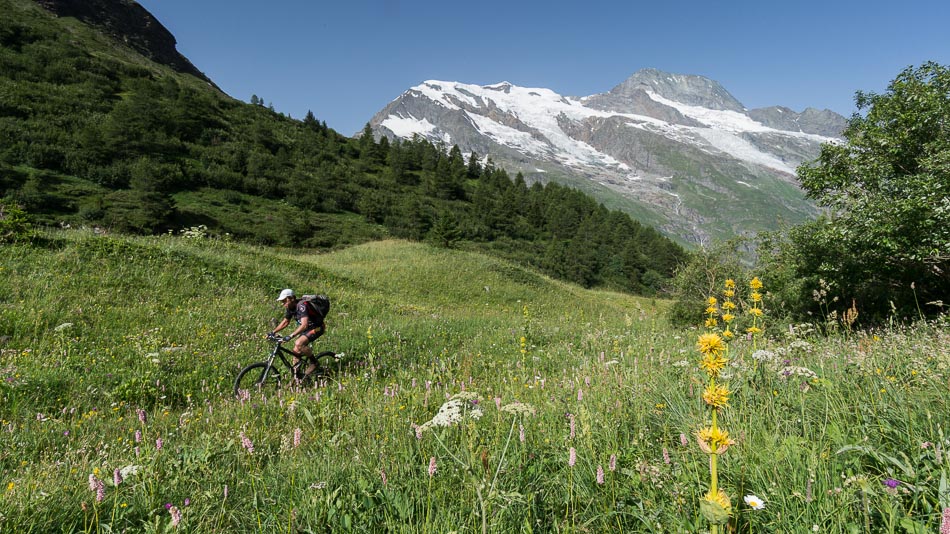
x,y
303,348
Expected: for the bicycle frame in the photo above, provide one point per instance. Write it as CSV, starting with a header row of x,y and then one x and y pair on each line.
x,y
279,350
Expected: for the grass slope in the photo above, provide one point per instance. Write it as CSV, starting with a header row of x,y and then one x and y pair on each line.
x,y
119,355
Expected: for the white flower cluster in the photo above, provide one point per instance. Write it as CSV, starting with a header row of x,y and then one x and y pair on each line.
x,y
794,370
454,410
518,408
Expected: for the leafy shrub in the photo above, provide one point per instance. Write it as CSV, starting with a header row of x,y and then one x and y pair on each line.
x,y
14,224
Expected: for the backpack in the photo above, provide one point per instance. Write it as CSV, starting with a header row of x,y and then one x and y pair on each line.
x,y
319,304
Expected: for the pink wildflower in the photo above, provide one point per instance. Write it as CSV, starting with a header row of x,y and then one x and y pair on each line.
x,y
572,457
141,414
498,403
600,475
93,482
580,394
613,462
117,476
666,456
684,441
945,524
431,466
247,443
570,418
297,435
138,436
382,476
100,491
176,515
158,444
521,433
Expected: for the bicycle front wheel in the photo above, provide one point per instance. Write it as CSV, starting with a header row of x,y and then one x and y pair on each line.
x,y
256,377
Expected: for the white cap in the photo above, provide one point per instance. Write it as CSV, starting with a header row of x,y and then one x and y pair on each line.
x,y
285,293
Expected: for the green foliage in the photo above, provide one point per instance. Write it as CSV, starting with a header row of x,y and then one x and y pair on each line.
x,y
96,135
14,223
703,275
886,240
145,336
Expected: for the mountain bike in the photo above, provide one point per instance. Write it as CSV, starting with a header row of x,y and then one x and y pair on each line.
x,y
267,375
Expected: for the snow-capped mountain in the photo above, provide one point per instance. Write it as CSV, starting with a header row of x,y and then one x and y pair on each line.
x,y
676,151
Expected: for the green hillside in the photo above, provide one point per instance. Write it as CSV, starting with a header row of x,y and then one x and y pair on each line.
x,y
119,353
95,134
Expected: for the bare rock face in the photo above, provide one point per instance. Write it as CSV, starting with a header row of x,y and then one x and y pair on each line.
x,y
128,22
676,151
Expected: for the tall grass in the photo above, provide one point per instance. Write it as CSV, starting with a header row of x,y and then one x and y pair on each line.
x,y
111,344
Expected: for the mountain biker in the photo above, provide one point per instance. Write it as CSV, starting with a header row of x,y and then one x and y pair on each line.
x,y
310,326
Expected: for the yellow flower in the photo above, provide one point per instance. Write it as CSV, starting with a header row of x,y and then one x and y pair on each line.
x,y
716,396
711,301
713,440
710,344
10,486
727,335
713,364
728,305
757,312
729,293
711,322
730,283
756,296
755,283
754,330
728,317
711,310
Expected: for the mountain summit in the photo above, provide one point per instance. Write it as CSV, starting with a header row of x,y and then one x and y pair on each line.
x,y
677,151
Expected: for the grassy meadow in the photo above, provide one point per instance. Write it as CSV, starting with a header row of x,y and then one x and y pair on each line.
x,y
473,396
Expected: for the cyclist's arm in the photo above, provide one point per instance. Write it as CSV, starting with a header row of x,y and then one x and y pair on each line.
x,y
283,324
304,321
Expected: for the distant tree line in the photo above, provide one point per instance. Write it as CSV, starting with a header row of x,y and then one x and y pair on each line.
x,y
89,138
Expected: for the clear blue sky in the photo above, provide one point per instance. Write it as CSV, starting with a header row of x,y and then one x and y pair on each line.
x,y
347,59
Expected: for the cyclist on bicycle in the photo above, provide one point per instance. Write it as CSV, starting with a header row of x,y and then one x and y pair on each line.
x,y
310,323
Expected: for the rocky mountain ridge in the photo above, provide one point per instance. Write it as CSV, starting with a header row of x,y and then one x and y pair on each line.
x,y
674,150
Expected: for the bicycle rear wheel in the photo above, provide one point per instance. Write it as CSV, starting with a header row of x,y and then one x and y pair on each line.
x,y
256,377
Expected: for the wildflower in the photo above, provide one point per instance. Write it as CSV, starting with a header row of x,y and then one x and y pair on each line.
x,y
382,476
891,483
187,501
755,283
666,456
432,466
580,394
728,317
713,364
100,491
728,305
141,414
716,507
757,312
753,330
158,444
945,523
521,435
571,457
716,396
600,475
756,296
711,301
710,344
117,476
754,502
93,482
176,515
570,418
64,326
730,283
713,440
247,443
138,436
711,322
518,408
612,465
684,441
729,293
728,335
